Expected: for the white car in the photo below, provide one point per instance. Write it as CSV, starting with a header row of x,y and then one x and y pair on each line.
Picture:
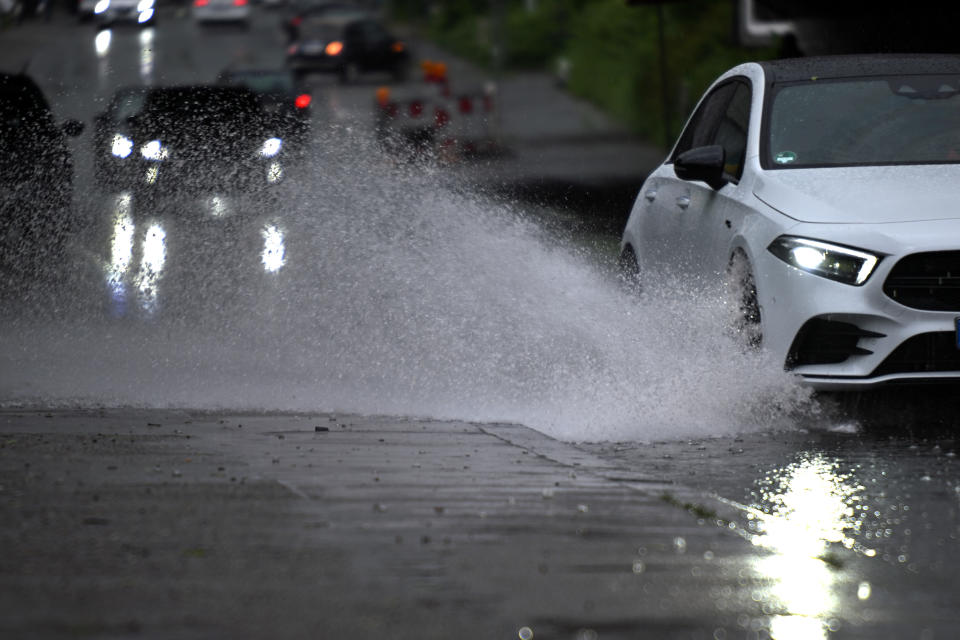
x,y
142,12
826,190
221,11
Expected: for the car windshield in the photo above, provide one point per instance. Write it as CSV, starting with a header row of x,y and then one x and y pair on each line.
x,y
864,121
320,29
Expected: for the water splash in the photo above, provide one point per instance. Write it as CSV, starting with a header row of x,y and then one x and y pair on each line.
x,y
401,293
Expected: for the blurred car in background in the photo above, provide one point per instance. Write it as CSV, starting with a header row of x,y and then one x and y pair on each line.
x,y
36,169
283,99
298,10
348,46
188,140
142,12
207,11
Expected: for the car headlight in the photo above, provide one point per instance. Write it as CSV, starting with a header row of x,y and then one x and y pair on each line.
x,y
154,150
143,5
271,147
122,146
101,6
843,264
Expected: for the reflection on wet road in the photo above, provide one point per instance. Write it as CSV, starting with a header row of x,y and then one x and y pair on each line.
x,y
845,525
140,243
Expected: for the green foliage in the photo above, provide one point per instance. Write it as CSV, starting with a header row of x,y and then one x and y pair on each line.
x,y
613,50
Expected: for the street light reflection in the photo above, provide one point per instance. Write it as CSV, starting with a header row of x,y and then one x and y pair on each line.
x,y
121,250
151,266
805,508
146,56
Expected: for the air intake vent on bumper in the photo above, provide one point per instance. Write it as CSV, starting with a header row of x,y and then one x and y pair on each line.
x,y
825,341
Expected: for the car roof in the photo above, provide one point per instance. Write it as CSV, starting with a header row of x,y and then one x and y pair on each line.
x,y
850,66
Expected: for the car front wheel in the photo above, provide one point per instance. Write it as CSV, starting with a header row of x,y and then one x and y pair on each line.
x,y
628,269
742,294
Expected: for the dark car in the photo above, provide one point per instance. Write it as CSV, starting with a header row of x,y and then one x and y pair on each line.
x,y
283,98
347,46
188,140
36,171
300,10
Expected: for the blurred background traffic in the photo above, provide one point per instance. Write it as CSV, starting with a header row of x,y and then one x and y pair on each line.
x,y
223,109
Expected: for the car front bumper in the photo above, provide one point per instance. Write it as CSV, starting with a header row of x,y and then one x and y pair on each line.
x,y
895,343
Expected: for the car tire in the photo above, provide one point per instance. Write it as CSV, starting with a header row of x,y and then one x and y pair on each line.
x,y
742,291
628,269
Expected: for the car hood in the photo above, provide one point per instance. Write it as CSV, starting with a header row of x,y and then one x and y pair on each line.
x,y
861,195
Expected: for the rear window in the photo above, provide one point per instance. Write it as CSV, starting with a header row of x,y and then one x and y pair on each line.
x,y
264,82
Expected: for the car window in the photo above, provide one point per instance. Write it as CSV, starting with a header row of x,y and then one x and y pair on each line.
x,y
702,127
863,121
732,130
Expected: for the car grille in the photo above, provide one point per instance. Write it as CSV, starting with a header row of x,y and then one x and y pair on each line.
x,y
825,341
929,281
923,353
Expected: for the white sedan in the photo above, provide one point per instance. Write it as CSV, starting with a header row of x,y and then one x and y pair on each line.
x,y
825,191
205,11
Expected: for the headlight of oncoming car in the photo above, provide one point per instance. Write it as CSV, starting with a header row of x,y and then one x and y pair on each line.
x,y
101,6
122,146
843,264
154,150
271,147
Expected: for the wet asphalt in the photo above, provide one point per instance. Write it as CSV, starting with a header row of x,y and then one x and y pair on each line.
x,y
179,524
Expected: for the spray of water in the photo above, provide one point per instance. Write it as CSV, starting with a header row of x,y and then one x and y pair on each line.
x,y
384,289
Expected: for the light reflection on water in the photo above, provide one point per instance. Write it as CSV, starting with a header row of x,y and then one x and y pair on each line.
x,y
146,56
274,251
151,266
806,508
136,268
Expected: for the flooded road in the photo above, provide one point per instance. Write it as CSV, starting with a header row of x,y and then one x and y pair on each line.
x,y
364,286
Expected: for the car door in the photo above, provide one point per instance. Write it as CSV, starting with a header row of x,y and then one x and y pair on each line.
x,y
668,239
717,224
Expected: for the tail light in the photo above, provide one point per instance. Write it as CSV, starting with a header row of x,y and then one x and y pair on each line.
x,y
295,21
302,101
465,104
201,3
334,48
291,50
398,47
441,118
240,3
416,108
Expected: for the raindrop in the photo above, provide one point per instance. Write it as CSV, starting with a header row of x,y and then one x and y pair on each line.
x,y
525,633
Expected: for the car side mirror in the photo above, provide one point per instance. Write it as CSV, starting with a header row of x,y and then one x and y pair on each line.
x,y
72,128
702,163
